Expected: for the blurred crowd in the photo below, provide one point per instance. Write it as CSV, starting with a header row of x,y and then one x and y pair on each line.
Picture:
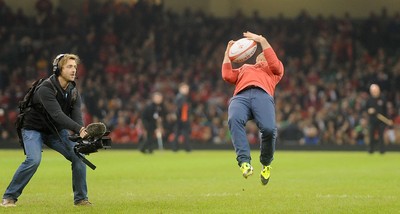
x,y
129,50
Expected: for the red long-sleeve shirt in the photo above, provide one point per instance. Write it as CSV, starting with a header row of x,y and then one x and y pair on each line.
x,y
265,75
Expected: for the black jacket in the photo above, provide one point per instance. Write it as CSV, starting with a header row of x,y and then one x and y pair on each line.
x,y
379,104
182,107
151,113
54,110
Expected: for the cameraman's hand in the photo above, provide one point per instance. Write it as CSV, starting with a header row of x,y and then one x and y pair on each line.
x,y
83,133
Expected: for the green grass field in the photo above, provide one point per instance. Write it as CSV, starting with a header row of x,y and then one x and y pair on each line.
x,y
210,182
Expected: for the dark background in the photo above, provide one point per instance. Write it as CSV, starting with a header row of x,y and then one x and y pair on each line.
x,y
132,48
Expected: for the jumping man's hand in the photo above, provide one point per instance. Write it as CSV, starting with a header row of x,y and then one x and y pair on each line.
x,y
226,57
257,38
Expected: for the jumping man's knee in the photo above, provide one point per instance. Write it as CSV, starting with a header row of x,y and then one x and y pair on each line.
x,y
232,119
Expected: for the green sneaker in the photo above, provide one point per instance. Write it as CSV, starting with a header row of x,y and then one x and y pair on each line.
x,y
246,169
265,174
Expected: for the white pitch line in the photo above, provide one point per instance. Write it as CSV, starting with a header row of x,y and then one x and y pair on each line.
x,y
354,196
223,194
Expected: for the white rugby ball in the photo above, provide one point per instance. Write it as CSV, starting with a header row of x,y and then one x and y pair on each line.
x,y
242,50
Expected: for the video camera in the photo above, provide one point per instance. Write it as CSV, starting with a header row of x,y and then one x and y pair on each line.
x,y
90,145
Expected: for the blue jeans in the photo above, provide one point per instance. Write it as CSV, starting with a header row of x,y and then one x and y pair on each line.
x,y
33,142
253,103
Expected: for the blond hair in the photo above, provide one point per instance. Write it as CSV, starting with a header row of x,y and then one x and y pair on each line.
x,y
61,60
64,59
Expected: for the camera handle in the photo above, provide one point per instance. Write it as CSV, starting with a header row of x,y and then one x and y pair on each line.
x,y
76,138
84,160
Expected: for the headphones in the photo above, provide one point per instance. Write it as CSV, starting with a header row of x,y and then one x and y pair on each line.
x,y
56,68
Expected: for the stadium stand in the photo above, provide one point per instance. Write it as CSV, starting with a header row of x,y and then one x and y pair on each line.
x,y
129,50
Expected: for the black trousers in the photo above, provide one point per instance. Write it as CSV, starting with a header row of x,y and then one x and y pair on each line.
x,y
376,128
149,142
182,129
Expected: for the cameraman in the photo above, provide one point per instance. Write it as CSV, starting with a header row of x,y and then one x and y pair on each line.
x,y
56,109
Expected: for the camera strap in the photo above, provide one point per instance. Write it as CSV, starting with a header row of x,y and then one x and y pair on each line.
x,y
54,130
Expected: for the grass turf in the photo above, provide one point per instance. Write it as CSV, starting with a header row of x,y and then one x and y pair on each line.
x,y
210,182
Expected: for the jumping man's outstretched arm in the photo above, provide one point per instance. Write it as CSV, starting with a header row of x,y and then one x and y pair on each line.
x,y
228,73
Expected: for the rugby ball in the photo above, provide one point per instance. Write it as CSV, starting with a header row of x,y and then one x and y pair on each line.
x,y
242,50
